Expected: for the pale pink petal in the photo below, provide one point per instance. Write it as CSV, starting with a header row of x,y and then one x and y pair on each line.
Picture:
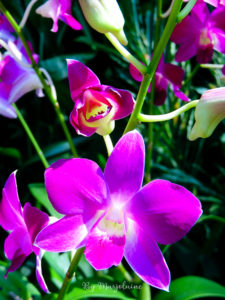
x,y
76,186
165,210
145,258
125,167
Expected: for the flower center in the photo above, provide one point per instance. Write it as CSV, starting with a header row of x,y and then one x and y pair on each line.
x,y
204,38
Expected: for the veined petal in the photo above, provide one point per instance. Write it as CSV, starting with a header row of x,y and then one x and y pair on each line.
x,y
106,241
76,186
80,78
63,235
125,167
40,278
35,220
10,207
145,257
165,210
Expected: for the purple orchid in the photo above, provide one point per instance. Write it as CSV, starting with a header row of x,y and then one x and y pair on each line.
x,y
166,74
58,9
113,216
24,224
199,33
16,78
215,3
96,105
6,30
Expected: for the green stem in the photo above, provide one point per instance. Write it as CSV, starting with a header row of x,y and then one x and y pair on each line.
x,y
108,143
185,11
169,116
212,66
124,272
145,292
47,89
70,273
211,217
31,137
171,23
125,53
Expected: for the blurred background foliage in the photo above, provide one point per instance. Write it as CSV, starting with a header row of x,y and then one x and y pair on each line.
x,y
198,165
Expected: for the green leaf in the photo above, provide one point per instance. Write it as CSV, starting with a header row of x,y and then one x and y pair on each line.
x,y
192,287
38,191
12,152
98,289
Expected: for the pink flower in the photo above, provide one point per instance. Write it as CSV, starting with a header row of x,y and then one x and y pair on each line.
x,y
24,224
113,216
58,9
96,105
199,33
166,74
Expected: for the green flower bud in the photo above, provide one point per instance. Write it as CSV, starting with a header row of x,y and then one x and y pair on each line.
x,y
104,16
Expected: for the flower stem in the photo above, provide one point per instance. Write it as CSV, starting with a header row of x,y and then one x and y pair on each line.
x,y
108,143
31,137
169,116
27,12
70,273
147,78
145,292
185,11
124,272
125,53
47,89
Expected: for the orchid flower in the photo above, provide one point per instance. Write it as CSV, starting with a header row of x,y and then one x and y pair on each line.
x,y
113,216
16,77
58,9
209,112
215,3
96,106
199,33
105,16
166,74
23,224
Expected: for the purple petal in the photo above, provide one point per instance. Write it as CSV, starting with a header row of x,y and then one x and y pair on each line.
x,y
35,220
63,235
204,53
50,9
179,94
216,19
80,77
69,20
161,84
123,173
11,70
17,261
145,258
10,207
174,74
40,278
186,51
135,73
106,241
76,186
6,109
219,40
201,12
165,210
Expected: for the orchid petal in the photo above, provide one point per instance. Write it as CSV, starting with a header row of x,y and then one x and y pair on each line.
x,y
145,258
76,186
165,210
174,74
40,278
123,173
80,78
63,235
70,21
10,207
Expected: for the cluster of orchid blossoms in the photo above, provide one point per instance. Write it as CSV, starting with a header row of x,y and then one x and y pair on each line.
x,y
110,213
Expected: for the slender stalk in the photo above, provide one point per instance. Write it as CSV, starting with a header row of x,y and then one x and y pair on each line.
x,y
212,66
26,14
125,53
169,116
133,121
166,13
145,292
47,89
70,273
31,137
124,272
185,11
108,143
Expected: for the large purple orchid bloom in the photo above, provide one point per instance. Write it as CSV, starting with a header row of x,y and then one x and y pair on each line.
x,y
199,33
58,9
166,74
113,216
16,78
24,224
96,105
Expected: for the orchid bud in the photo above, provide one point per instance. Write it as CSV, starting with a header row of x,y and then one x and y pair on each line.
x,y
209,111
104,16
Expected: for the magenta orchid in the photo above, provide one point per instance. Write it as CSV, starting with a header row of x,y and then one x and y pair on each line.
x,y
166,74
24,224
113,216
215,3
58,9
199,33
16,78
96,105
